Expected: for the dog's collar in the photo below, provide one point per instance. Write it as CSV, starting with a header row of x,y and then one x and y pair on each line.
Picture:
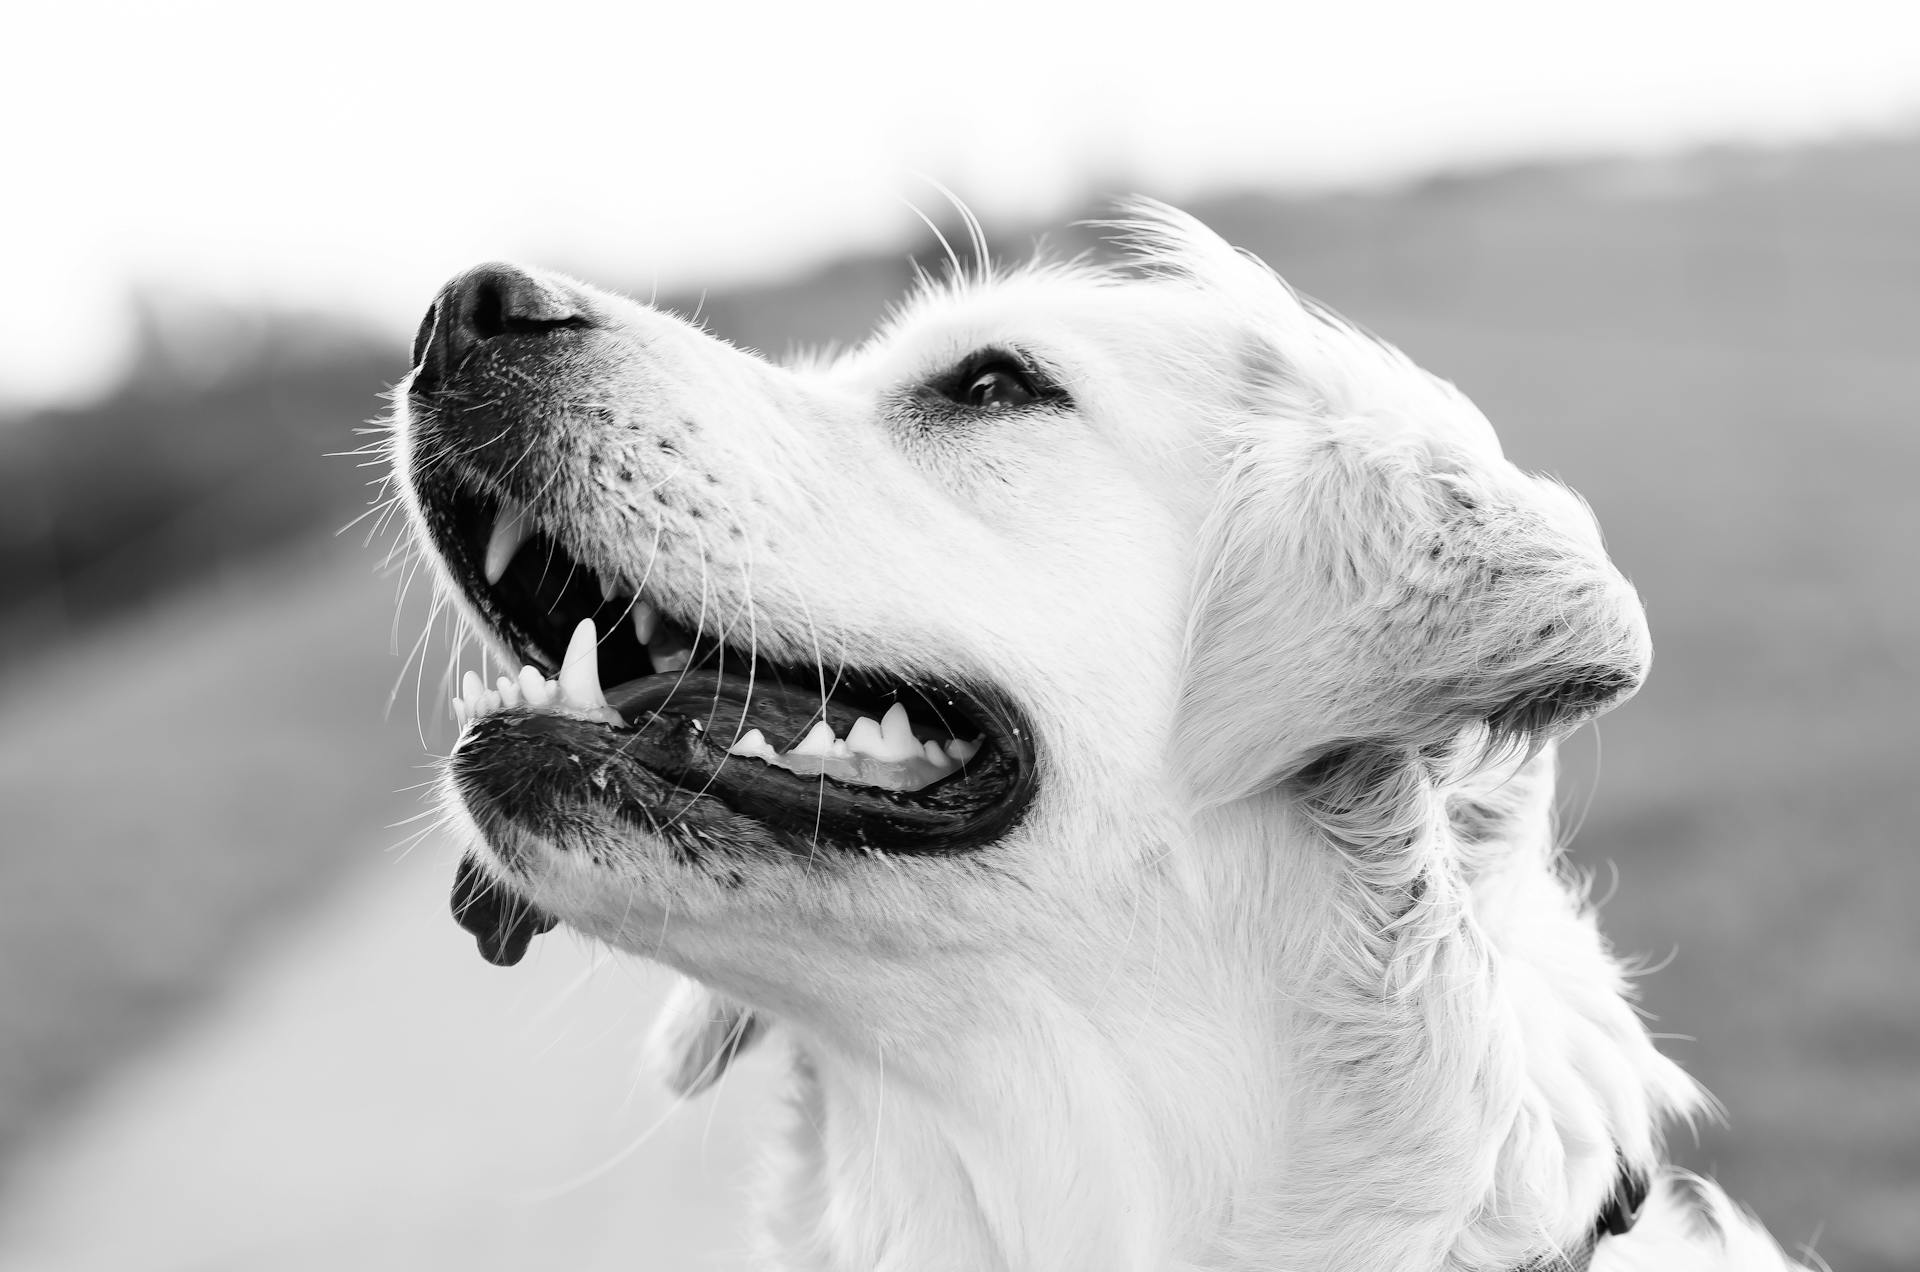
x,y
1616,1217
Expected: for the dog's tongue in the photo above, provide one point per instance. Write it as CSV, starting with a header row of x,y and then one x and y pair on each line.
x,y
503,924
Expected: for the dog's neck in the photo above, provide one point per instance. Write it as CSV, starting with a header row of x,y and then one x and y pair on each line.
x,y
1350,1073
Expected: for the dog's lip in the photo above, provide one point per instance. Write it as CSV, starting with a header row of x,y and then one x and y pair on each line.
x,y
503,922
520,764
963,812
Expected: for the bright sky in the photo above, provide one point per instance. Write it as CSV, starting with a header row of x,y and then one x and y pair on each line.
x,y
350,155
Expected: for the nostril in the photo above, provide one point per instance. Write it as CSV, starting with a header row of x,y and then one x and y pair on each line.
x,y
496,299
486,310
483,304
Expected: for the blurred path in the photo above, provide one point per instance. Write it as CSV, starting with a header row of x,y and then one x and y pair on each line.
x,y
174,788
371,1095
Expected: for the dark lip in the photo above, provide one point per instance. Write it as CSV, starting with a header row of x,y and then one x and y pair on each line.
x,y
501,921
973,808
681,723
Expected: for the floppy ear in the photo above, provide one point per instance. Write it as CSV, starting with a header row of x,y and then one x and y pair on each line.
x,y
697,1034
1373,592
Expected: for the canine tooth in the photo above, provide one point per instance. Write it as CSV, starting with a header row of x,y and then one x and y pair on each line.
x,y
509,532
645,620
753,743
580,669
963,751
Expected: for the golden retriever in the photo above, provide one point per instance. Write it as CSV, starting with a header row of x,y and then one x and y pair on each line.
x,y
1103,726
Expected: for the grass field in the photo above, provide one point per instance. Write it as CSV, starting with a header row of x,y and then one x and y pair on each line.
x,y
1722,355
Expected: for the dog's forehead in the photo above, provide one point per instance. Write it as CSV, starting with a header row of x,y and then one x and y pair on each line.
x,y
1169,347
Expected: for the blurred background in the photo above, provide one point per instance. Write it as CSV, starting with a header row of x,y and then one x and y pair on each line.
x,y
1672,249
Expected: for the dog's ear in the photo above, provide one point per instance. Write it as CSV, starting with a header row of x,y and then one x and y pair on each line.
x,y
1378,587
697,1034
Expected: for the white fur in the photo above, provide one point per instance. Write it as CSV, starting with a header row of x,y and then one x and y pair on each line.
x,y
1282,971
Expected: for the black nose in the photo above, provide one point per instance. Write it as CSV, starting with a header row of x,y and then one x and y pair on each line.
x,y
485,303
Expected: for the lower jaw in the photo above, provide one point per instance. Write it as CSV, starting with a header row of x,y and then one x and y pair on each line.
x,y
670,770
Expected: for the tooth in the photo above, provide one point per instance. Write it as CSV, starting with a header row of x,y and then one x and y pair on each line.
x,y
471,687
509,690
819,741
865,738
509,532
896,734
963,751
608,590
935,755
899,731
753,743
489,703
459,712
580,670
675,661
645,619
535,688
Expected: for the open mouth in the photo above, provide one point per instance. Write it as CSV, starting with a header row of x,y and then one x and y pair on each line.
x,y
835,755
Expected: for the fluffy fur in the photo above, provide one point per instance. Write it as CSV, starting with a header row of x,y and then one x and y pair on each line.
x,y
1282,970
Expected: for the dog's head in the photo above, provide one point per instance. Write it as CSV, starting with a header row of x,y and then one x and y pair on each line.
x,y
907,670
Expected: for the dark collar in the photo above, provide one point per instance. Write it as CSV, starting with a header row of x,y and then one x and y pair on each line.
x,y
1616,1217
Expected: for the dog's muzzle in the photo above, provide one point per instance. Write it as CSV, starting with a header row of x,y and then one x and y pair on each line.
x,y
628,713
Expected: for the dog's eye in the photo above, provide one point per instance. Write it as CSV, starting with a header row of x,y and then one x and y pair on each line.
x,y
1003,386
997,381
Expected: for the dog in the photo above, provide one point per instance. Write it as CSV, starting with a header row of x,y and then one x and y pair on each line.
x,y
1104,725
